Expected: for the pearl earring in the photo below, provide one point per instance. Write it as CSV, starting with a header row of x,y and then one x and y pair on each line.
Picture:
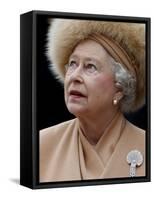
x,y
115,102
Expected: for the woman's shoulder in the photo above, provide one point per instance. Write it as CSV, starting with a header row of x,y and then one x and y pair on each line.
x,y
135,128
135,133
56,130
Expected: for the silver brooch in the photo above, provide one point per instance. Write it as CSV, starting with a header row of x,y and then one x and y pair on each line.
x,y
134,159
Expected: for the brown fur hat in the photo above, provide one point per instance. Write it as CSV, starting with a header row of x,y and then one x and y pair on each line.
x,y
65,34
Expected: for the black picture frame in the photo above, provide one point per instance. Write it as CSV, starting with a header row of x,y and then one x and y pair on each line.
x,y
33,30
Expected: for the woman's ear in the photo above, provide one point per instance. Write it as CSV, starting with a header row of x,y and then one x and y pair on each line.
x,y
118,86
118,95
119,92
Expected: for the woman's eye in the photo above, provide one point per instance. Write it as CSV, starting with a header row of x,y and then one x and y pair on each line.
x,y
72,64
91,68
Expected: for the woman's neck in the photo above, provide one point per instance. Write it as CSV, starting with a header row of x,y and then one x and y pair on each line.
x,y
94,127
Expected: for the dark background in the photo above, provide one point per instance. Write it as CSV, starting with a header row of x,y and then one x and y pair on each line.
x,y
51,107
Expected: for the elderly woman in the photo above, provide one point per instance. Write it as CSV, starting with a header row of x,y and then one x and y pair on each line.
x,y
102,67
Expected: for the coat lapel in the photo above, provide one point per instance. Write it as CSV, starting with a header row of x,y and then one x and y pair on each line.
x,y
117,165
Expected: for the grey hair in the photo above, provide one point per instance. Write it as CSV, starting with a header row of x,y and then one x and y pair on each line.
x,y
128,83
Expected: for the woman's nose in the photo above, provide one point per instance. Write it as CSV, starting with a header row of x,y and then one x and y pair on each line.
x,y
77,74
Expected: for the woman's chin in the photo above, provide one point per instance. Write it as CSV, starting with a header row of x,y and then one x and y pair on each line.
x,y
76,110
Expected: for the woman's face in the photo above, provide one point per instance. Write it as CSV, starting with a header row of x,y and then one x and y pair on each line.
x,y
89,81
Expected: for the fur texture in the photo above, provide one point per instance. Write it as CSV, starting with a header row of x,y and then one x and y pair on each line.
x,y
65,34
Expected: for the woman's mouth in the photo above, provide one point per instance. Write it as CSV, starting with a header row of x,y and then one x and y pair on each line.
x,y
76,94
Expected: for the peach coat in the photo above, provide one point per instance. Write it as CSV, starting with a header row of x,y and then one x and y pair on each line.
x,y
66,154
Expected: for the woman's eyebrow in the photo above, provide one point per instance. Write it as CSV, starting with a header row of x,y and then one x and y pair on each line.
x,y
94,60
73,56
86,58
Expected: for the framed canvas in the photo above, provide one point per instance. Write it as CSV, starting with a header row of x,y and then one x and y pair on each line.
x,y
85,99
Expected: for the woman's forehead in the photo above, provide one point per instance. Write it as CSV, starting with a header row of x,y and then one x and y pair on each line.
x,y
90,50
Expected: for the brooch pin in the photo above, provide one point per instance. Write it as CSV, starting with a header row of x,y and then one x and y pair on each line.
x,y
134,159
